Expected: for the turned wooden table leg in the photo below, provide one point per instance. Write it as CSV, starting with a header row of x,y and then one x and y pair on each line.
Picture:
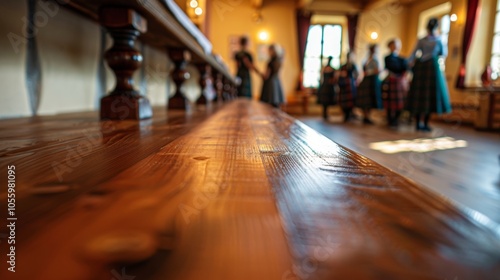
x,y
234,91
204,70
219,86
180,57
124,102
227,89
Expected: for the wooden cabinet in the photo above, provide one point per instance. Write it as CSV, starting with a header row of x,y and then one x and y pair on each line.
x,y
488,117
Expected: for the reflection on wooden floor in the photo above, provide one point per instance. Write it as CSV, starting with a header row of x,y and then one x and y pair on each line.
x,y
470,175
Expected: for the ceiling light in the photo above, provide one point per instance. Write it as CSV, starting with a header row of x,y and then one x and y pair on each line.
x,y
263,36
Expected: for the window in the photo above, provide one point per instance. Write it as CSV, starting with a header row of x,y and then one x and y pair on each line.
x,y
495,49
322,41
444,31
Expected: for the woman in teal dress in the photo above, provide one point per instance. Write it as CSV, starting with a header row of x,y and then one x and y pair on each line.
x,y
272,91
428,90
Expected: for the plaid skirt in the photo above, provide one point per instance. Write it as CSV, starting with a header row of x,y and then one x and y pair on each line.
x,y
347,92
369,93
327,95
245,88
394,92
428,91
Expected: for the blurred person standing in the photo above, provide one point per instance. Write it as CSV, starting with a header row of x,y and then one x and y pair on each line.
x,y
347,81
428,90
272,91
244,64
327,94
369,90
394,86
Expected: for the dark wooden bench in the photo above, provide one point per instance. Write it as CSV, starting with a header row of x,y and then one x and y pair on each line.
x,y
241,192
156,24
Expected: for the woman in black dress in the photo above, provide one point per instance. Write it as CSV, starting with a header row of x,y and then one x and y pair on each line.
x,y
272,92
244,64
369,90
347,86
327,94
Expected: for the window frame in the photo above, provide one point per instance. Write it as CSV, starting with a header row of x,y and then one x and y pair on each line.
x,y
442,60
321,56
494,54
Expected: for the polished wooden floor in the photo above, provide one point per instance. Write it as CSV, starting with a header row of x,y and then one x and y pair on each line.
x,y
470,176
241,192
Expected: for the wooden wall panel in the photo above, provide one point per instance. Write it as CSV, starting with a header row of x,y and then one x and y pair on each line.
x,y
69,50
13,95
158,68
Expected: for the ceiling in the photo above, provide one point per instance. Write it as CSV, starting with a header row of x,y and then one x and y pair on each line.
x,y
345,6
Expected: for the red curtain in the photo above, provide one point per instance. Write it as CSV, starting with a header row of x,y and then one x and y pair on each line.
x,y
303,23
473,12
352,27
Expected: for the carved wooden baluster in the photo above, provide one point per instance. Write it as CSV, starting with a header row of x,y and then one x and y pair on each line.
x,y
234,91
124,102
180,57
219,86
227,89
204,70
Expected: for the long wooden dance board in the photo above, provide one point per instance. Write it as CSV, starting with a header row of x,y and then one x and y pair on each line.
x,y
243,192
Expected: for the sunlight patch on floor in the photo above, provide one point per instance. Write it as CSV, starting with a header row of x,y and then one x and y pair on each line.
x,y
420,145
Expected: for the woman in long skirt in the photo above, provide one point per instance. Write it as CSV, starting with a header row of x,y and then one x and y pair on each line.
x,y
272,91
369,90
394,86
327,95
347,86
428,90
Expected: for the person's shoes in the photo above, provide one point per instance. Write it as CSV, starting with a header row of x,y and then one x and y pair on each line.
x,y
393,126
367,121
426,129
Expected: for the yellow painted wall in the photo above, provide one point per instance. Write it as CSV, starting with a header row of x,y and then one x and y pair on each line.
x,y
389,21
234,18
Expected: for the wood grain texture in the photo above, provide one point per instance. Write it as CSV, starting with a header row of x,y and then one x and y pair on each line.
x,y
244,193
